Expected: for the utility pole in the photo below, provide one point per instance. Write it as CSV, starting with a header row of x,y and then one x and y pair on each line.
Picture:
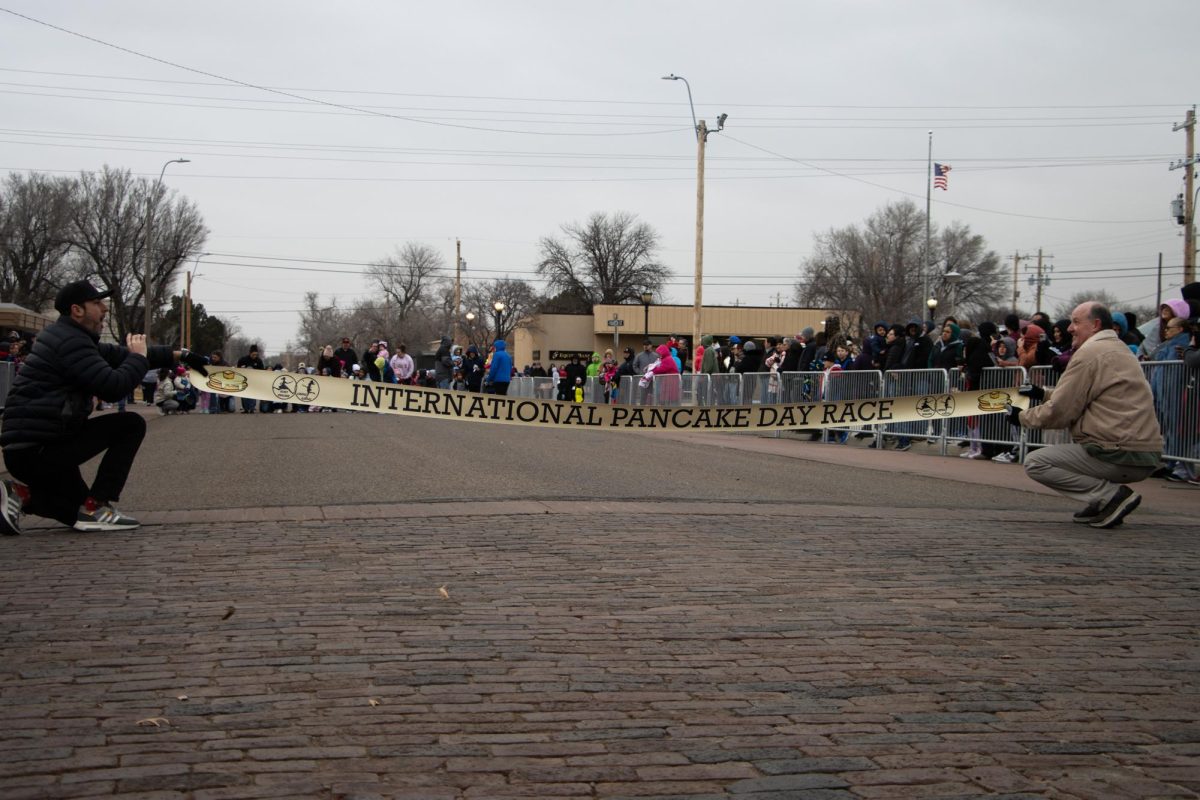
x,y
457,286
1042,280
701,139
185,339
1189,198
1017,259
1158,290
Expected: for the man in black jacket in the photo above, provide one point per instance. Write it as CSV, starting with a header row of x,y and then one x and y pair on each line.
x,y
252,361
47,432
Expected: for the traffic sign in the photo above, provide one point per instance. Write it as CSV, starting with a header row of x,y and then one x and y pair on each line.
x,y
616,323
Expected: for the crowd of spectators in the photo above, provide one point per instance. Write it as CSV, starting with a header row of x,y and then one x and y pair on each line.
x,y
953,345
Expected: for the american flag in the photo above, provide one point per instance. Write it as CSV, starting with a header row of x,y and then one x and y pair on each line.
x,y
940,179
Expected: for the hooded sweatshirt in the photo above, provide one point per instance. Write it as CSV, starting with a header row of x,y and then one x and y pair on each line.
x,y
443,365
1153,329
593,367
949,355
918,349
501,369
707,357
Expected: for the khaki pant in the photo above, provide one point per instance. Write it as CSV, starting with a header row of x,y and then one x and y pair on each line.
x,y
1070,471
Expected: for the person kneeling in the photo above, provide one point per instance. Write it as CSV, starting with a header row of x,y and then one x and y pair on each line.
x,y
1106,402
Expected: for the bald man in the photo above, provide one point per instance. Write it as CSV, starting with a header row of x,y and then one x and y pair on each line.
x,y
1105,400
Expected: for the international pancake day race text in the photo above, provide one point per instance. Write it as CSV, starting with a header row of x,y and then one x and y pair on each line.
x,y
490,408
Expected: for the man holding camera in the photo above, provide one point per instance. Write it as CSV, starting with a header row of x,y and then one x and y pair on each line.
x,y
1106,402
48,431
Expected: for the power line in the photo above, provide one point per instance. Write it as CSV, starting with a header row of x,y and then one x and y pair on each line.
x,y
939,202
1172,105
280,92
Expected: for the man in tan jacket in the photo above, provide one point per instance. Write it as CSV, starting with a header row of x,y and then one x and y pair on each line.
x,y
1105,400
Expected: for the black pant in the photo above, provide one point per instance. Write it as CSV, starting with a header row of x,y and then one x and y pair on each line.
x,y
500,388
51,471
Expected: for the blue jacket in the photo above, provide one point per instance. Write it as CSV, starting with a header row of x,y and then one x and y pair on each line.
x,y
501,369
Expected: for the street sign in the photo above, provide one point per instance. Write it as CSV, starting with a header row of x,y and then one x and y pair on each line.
x,y
616,323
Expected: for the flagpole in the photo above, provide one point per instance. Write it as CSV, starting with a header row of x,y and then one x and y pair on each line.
x,y
925,256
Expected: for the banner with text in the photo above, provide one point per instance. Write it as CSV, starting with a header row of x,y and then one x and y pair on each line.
x,y
388,398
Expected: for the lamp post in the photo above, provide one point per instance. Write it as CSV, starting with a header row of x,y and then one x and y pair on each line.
x,y
953,277
499,318
932,304
702,132
150,241
647,299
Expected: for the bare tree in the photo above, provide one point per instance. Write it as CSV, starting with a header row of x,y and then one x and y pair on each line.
x,y
520,304
35,215
875,268
1063,310
871,269
408,279
108,229
605,260
321,325
982,284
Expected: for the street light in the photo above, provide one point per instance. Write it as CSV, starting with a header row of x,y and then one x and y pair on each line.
x,y
470,316
499,317
647,299
150,240
932,304
953,277
702,132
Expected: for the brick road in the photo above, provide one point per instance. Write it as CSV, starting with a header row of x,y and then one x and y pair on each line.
x,y
603,650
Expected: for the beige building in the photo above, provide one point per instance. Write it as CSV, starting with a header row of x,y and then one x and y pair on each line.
x,y
556,337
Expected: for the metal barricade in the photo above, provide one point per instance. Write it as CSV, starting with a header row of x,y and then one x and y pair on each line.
x,y
995,428
840,385
1046,377
521,386
1176,391
694,388
724,389
917,383
666,390
544,388
8,371
798,387
593,390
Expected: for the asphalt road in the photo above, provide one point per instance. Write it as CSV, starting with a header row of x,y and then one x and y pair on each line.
x,y
235,460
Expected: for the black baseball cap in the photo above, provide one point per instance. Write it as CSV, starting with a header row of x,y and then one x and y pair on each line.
x,y
76,294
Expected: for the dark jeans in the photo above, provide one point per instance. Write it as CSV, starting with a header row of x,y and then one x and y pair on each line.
x,y
51,471
500,388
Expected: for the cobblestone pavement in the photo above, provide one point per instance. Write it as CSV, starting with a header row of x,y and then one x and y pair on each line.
x,y
593,650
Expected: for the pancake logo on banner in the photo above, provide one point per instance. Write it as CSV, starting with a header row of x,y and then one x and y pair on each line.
x,y
227,381
290,387
941,405
994,401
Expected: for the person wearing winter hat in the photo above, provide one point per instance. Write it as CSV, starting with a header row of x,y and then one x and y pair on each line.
x,y
499,374
1104,399
644,359
1032,349
1191,296
48,430
1154,331
668,388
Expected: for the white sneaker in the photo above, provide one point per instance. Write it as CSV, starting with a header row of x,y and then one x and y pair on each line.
x,y
1005,458
10,510
103,518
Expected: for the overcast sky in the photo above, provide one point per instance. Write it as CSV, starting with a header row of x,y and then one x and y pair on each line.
x,y
496,122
